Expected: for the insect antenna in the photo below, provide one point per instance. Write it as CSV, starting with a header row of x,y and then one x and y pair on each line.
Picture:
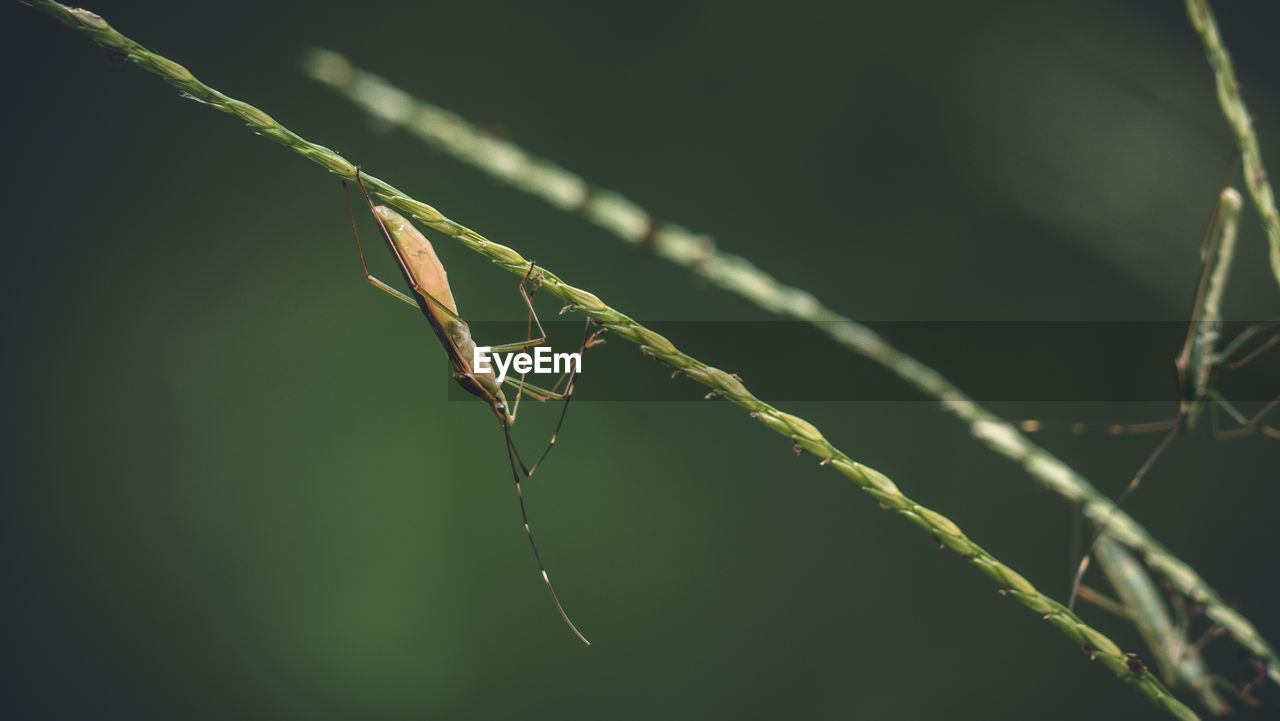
x,y
513,456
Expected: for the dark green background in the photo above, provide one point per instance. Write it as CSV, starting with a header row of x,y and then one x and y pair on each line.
x,y
234,487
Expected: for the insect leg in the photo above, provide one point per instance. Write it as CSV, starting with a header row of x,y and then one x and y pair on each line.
x,y
513,456
360,249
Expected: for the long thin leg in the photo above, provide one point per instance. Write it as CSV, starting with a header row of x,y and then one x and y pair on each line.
x,y
1219,402
1120,429
1175,427
538,393
1110,605
588,340
1115,429
533,318
1244,337
529,341
360,249
1247,426
513,454
1178,427
1262,348
541,393
512,457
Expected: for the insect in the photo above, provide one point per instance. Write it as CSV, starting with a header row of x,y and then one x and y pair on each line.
x,y
1199,363
1197,367
1139,600
432,295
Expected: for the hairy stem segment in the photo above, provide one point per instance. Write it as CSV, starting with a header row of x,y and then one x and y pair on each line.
x,y
801,432
538,176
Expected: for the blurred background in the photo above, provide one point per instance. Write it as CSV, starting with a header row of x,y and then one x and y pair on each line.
x,y
235,485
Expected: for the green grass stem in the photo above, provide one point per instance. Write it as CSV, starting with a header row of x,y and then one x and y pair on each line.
x,y
1237,115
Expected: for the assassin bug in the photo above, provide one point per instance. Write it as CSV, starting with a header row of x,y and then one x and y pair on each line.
x,y
1198,364
432,295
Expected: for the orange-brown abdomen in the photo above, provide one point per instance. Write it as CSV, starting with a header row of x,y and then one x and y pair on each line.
x,y
420,262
